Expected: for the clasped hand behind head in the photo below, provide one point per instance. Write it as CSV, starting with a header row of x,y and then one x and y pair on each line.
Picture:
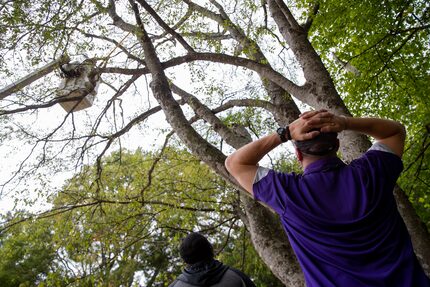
x,y
310,124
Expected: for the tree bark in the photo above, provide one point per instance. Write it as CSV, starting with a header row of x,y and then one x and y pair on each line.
x,y
417,229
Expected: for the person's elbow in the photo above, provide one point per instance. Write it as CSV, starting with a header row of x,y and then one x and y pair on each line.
x,y
233,166
244,174
229,163
397,141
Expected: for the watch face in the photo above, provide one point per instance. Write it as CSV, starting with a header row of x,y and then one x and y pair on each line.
x,y
281,133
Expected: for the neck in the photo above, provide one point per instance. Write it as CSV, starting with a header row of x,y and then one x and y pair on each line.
x,y
308,159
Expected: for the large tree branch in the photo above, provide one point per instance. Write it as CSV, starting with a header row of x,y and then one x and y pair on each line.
x,y
279,95
277,86
220,8
310,93
264,70
292,22
288,110
417,230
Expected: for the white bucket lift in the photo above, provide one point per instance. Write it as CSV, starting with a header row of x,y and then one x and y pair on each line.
x,y
79,81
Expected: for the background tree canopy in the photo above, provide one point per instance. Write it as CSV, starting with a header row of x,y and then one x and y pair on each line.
x,y
183,83
130,231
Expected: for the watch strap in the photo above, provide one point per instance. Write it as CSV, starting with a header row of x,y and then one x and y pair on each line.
x,y
284,133
288,133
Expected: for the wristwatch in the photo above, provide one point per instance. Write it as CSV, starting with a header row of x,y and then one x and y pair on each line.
x,y
284,133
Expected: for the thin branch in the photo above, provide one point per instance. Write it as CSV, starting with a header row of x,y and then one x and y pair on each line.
x,y
41,106
308,24
154,164
232,138
420,155
246,103
220,250
66,208
125,50
209,36
118,21
166,27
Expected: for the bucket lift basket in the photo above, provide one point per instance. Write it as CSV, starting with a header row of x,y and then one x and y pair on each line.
x,y
79,82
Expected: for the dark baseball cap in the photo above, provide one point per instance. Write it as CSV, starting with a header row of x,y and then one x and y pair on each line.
x,y
323,144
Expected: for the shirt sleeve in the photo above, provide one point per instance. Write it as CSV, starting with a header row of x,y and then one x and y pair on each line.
x,y
382,164
270,188
381,147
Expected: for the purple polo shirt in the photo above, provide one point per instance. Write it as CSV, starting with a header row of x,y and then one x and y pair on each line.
x,y
342,221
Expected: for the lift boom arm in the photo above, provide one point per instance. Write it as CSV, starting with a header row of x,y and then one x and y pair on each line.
x,y
30,78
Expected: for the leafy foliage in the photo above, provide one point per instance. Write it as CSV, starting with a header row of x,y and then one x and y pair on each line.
x,y
124,225
26,253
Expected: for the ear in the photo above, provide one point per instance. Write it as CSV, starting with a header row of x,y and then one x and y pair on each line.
x,y
299,155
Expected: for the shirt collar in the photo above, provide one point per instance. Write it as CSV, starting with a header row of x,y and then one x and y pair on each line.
x,y
324,164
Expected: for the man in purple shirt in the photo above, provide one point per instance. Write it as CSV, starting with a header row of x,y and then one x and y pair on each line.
x,y
342,220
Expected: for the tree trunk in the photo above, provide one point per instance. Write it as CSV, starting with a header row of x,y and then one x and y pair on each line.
x,y
417,229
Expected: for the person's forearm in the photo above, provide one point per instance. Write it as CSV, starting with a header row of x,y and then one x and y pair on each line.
x,y
243,163
253,152
379,129
390,133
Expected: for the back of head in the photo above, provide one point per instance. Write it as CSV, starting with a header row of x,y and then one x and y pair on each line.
x,y
322,145
195,248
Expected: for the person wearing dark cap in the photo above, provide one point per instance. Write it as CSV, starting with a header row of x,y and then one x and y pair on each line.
x,y
341,219
203,269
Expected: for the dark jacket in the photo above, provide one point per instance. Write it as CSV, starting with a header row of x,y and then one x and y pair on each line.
x,y
212,274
